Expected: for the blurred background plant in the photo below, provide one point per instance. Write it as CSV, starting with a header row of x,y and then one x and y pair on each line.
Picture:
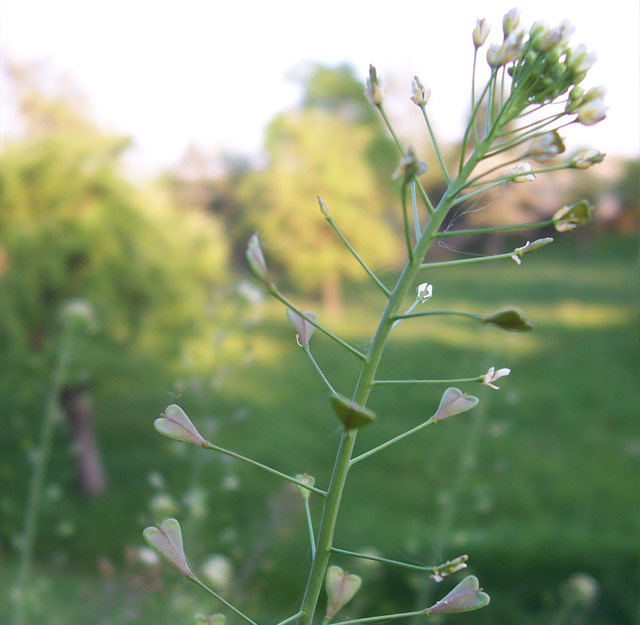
x,y
549,488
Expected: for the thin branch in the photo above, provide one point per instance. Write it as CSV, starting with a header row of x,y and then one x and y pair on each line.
x,y
384,617
317,367
292,618
312,540
391,441
279,296
357,256
235,610
284,476
535,224
466,261
439,312
406,565
478,378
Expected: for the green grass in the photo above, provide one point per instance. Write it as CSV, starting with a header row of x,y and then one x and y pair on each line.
x,y
536,484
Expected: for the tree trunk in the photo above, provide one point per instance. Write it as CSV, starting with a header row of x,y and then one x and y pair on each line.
x,y
332,295
78,407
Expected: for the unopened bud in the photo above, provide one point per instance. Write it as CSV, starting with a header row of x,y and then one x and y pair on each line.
x,y
510,21
519,252
421,94
586,159
591,112
546,146
256,260
424,292
480,32
521,173
579,59
374,89
449,567
341,588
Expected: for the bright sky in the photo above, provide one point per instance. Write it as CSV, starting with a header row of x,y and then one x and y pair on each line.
x,y
175,72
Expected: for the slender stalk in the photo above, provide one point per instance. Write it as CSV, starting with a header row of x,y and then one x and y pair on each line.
x,y
534,224
41,463
416,217
317,367
445,171
466,261
279,296
264,467
392,441
477,378
357,256
291,618
424,313
213,593
384,617
406,565
405,219
307,512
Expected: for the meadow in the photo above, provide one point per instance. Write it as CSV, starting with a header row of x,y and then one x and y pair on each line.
x,y
538,484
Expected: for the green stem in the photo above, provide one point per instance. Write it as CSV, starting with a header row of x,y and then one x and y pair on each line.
x,y
466,261
244,617
264,467
405,219
317,366
365,384
276,293
441,312
291,618
307,512
445,171
357,256
477,378
41,463
385,617
535,224
392,441
414,204
406,565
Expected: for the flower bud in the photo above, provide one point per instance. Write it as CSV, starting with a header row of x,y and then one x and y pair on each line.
x,y
465,597
558,37
305,479
256,260
421,94
591,112
304,329
586,159
595,93
324,209
510,21
509,319
453,402
175,424
494,55
579,60
409,167
166,539
341,587
546,146
374,90
480,32
424,292
521,173
351,415
570,217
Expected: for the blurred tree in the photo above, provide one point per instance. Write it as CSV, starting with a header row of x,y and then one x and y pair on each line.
x,y
345,172
72,226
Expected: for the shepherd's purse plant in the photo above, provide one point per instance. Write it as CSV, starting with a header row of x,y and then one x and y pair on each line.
x,y
533,91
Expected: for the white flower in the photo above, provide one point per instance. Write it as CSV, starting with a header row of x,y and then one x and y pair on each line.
x,y
510,21
480,32
580,60
492,375
425,291
521,173
592,111
588,158
421,94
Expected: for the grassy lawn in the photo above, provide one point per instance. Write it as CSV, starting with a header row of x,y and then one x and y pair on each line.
x,y
537,484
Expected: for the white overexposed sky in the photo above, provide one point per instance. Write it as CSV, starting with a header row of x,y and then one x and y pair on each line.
x,y
170,73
